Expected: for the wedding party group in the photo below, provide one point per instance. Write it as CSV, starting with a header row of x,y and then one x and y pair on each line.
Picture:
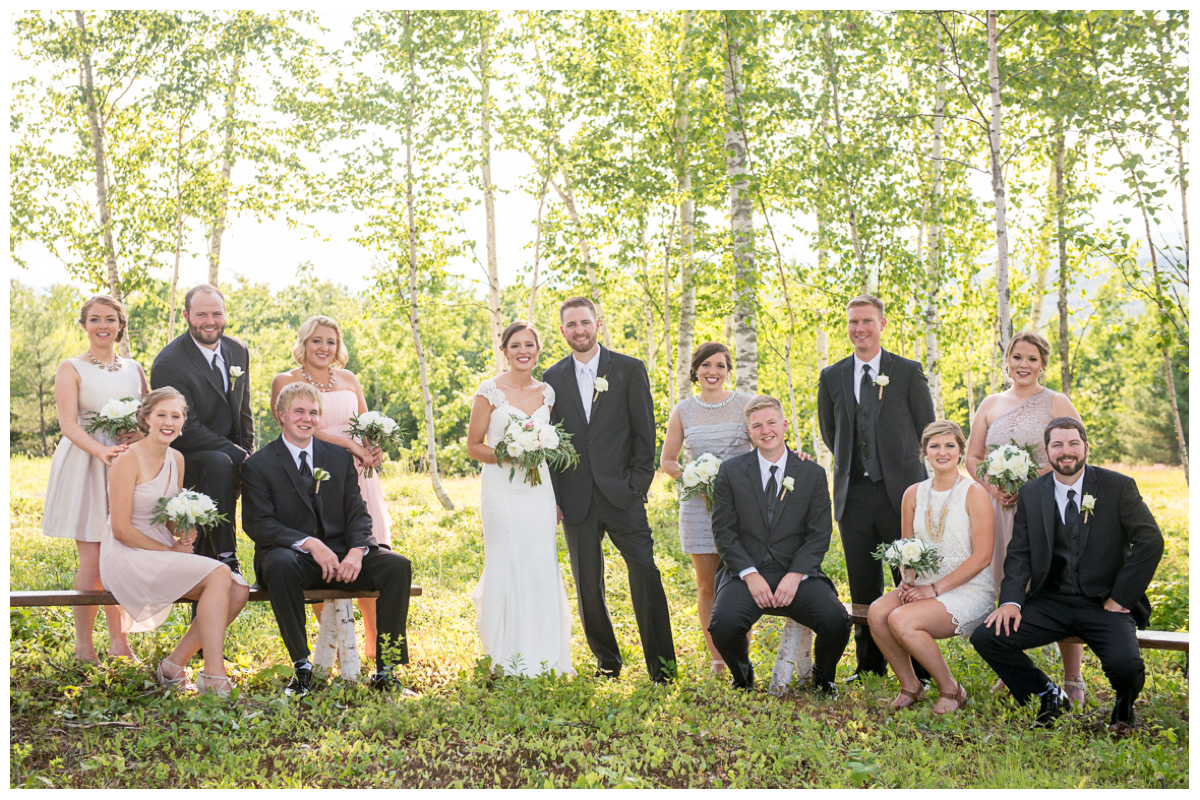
x,y
1029,546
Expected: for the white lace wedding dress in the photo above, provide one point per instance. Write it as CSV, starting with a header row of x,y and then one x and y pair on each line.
x,y
521,605
972,601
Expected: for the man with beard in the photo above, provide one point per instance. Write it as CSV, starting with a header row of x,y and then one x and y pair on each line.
x,y
1084,549
212,372
603,401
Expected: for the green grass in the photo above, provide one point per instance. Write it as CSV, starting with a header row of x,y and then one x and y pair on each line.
x,y
110,727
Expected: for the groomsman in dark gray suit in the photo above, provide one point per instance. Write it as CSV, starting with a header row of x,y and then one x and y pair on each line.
x,y
872,407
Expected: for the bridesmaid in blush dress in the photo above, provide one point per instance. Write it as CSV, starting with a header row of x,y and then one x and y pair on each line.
x,y
1020,413
148,568
321,355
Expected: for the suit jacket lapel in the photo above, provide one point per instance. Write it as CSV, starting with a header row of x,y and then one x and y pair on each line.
x,y
791,466
570,385
848,407
289,467
885,368
1090,479
1049,513
603,362
204,365
754,475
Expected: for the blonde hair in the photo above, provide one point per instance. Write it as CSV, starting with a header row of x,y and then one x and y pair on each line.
x,y
1033,338
866,300
153,399
341,356
289,393
760,402
940,427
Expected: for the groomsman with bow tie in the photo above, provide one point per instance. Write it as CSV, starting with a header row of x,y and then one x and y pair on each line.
x,y
211,371
311,530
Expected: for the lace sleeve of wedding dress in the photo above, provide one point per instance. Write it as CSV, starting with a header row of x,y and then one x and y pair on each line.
x,y
548,395
492,392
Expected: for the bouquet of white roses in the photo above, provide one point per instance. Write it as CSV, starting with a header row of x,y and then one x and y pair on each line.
x,y
700,478
528,443
911,554
187,511
1009,467
115,417
374,430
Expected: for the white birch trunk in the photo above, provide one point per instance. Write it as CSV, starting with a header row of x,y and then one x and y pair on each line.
x,y
537,252
218,229
336,640
489,192
687,290
178,233
741,213
933,322
585,253
998,191
1064,310
870,275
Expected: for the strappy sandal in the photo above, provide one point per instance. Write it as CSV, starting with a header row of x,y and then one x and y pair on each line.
x,y
220,685
180,681
913,696
959,697
1076,691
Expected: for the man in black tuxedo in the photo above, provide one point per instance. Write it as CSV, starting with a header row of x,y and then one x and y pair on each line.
x,y
771,524
212,372
603,400
872,407
311,530
1083,551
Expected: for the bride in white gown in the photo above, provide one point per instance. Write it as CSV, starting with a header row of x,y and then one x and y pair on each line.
x,y
521,605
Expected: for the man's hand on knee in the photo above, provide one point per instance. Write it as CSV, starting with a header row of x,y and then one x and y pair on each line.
x,y
351,566
325,558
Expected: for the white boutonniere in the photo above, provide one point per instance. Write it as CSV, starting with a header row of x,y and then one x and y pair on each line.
x,y
601,386
235,373
882,381
1087,506
789,483
320,476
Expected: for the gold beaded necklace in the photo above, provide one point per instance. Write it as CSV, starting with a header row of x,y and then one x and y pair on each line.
x,y
936,533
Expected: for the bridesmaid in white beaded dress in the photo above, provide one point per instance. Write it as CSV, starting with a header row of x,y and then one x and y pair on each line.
x,y
322,356
76,503
1020,413
711,423
950,513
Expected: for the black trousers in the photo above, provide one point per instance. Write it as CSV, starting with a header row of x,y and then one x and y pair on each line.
x,y
286,572
630,533
815,605
1050,617
215,473
868,520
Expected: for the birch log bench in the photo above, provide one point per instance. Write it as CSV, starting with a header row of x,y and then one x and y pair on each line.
x,y
336,641
794,657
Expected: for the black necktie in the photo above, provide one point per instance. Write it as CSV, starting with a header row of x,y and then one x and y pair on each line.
x,y
306,473
864,386
1071,518
772,496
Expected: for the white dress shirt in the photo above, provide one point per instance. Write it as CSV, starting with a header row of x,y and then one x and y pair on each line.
x,y
1060,494
858,371
213,354
764,470
585,376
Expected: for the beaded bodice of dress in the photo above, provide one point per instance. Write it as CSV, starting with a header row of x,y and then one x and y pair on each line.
x,y
1024,425
720,431
954,546
503,412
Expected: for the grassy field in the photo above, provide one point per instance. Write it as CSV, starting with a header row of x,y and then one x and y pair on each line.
x,y
111,727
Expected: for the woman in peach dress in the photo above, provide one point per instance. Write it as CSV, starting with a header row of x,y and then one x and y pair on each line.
x,y
321,355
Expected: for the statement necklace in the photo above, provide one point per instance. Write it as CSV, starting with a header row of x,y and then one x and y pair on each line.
x,y
936,533
721,404
110,367
322,386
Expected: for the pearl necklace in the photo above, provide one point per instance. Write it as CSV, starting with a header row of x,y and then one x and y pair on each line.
x,y
712,406
323,387
116,367
936,533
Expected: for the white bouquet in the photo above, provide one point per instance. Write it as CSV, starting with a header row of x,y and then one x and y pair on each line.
x,y
528,443
911,554
187,511
1009,467
700,478
374,430
115,417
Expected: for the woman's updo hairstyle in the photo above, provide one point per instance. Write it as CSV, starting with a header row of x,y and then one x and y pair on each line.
x,y
706,351
153,399
114,304
515,328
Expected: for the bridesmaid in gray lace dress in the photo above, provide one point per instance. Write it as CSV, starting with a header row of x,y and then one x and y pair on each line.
x,y
1020,413
711,423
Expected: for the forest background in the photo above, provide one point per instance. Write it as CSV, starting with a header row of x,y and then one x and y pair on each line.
x,y
702,175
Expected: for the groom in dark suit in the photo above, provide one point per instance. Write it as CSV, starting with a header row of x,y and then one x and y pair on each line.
x,y
872,408
603,400
211,371
1083,551
311,530
771,524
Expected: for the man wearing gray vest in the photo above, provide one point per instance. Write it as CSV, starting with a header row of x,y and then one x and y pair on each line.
x,y
872,407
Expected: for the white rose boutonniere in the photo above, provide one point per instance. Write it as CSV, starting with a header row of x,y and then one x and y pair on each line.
x,y
789,483
882,381
1087,506
234,374
601,386
320,476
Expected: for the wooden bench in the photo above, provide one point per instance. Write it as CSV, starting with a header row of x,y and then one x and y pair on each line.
x,y
336,641
794,657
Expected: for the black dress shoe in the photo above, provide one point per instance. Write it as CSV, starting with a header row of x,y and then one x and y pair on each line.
x,y
601,672
300,684
1053,703
858,675
826,690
